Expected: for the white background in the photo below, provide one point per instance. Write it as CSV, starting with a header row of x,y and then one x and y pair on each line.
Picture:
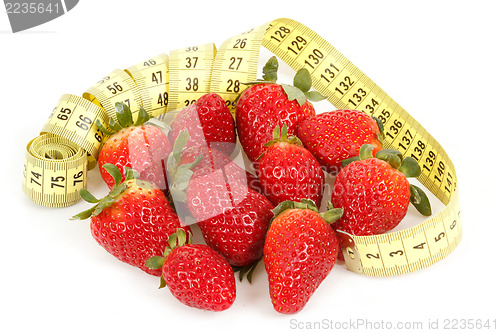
x,y
438,59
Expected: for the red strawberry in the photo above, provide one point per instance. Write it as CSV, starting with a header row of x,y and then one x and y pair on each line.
x,y
142,147
238,234
209,123
300,251
215,190
337,135
213,159
288,171
232,217
203,169
133,222
375,193
265,105
196,274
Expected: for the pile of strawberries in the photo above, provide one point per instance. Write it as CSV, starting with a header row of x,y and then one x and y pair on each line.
x,y
162,179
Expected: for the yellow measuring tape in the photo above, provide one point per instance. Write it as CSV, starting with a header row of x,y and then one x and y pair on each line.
x,y
166,83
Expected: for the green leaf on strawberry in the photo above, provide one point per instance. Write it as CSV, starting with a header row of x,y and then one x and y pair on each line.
x,y
302,83
180,174
270,70
109,199
330,216
410,168
125,119
420,200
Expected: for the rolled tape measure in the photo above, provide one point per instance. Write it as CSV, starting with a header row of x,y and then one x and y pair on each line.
x,y
167,83
54,171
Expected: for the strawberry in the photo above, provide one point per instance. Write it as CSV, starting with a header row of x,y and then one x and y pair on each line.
x,y
201,169
232,217
266,104
300,251
195,274
215,191
238,233
288,171
375,193
133,222
141,146
209,122
337,135
213,159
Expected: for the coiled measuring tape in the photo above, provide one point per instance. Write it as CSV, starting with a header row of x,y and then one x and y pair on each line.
x,y
165,83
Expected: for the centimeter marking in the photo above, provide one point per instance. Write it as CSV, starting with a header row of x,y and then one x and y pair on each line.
x,y
190,74
236,64
74,118
117,86
152,78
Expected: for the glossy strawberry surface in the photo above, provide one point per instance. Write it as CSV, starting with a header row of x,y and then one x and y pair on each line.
x,y
209,123
299,252
217,183
136,225
290,172
143,148
239,232
261,108
199,277
337,135
375,197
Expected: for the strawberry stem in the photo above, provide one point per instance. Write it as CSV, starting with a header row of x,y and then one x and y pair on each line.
x,y
179,174
155,262
124,119
113,172
142,116
246,270
332,215
302,80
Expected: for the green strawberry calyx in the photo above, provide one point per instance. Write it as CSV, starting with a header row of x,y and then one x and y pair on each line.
x,y
407,166
175,240
180,174
380,125
124,119
302,83
108,200
330,216
281,135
